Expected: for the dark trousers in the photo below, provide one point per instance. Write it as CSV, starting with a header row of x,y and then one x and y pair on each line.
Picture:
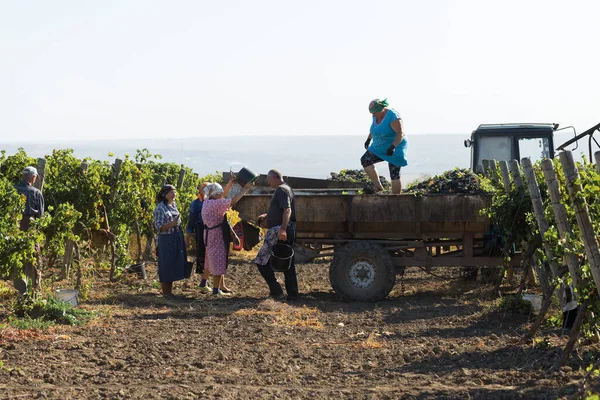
x,y
200,249
291,280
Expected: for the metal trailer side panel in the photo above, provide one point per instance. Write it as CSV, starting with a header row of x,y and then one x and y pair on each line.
x,y
381,216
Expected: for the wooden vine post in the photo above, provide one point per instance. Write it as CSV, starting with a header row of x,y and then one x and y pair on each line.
x,y
543,226
590,243
543,277
564,227
113,192
486,167
41,169
503,166
505,175
181,177
582,214
538,210
515,171
116,173
562,222
494,171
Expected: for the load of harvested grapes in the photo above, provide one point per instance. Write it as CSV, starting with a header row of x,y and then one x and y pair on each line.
x,y
360,176
457,180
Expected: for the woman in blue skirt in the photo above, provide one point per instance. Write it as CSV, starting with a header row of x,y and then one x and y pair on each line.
x,y
172,256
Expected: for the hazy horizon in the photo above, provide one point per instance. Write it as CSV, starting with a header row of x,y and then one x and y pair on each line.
x,y
146,68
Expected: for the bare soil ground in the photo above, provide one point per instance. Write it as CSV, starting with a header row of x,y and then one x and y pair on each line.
x,y
438,339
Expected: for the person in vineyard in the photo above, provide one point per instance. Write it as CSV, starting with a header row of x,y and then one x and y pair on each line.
x,y
34,208
171,245
195,227
280,220
217,232
388,144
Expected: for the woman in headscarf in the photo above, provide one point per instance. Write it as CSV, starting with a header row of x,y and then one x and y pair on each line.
x,y
389,144
171,245
217,231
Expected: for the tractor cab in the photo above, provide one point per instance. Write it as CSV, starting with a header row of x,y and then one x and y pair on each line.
x,y
510,141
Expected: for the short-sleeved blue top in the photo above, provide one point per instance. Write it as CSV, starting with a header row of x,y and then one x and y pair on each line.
x,y
383,136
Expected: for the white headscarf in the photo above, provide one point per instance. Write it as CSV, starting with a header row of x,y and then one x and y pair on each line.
x,y
212,189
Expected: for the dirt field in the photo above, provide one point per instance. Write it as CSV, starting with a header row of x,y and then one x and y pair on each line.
x,y
440,339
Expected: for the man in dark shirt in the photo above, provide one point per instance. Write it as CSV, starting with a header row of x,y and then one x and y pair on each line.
x,y
34,200
282,211
34,208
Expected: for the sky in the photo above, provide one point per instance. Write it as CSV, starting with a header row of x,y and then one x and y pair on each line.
x,y
157,69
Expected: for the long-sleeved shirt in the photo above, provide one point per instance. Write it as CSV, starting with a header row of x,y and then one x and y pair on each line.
x,y
195,216
163,214
34,203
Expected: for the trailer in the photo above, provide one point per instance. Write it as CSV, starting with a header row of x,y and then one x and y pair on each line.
x,y
373,238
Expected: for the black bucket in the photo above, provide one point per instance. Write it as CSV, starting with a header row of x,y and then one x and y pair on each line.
x,y
189,267
281,257
139,269
245,176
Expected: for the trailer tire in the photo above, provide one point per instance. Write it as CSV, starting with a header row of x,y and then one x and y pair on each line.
x,y
362,271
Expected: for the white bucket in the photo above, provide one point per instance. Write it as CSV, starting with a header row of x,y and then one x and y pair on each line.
x,y
535,300
67,295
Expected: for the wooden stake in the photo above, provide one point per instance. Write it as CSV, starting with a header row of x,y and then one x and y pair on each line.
x,y
138,235
566,353
515,171
582,214
79,271
113,260
494,171
41,168
148,252
116,173
67,259
181,177
597,158
542,314
538,210
505,175
503,165
486,167
562,222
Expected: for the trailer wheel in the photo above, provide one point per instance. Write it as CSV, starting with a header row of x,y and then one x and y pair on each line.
x,y
362,271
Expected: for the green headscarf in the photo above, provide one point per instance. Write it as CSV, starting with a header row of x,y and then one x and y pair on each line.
x,y
377,105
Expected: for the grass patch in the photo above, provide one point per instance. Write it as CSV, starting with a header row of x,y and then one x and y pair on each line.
x,y
38,313
515,305
28,323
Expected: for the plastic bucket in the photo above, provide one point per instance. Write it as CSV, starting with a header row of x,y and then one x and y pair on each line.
x,y
240,246
67,295
281,257
245,176
139,269
535,300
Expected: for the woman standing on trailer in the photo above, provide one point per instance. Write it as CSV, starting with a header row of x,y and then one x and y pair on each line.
x,y
389,144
